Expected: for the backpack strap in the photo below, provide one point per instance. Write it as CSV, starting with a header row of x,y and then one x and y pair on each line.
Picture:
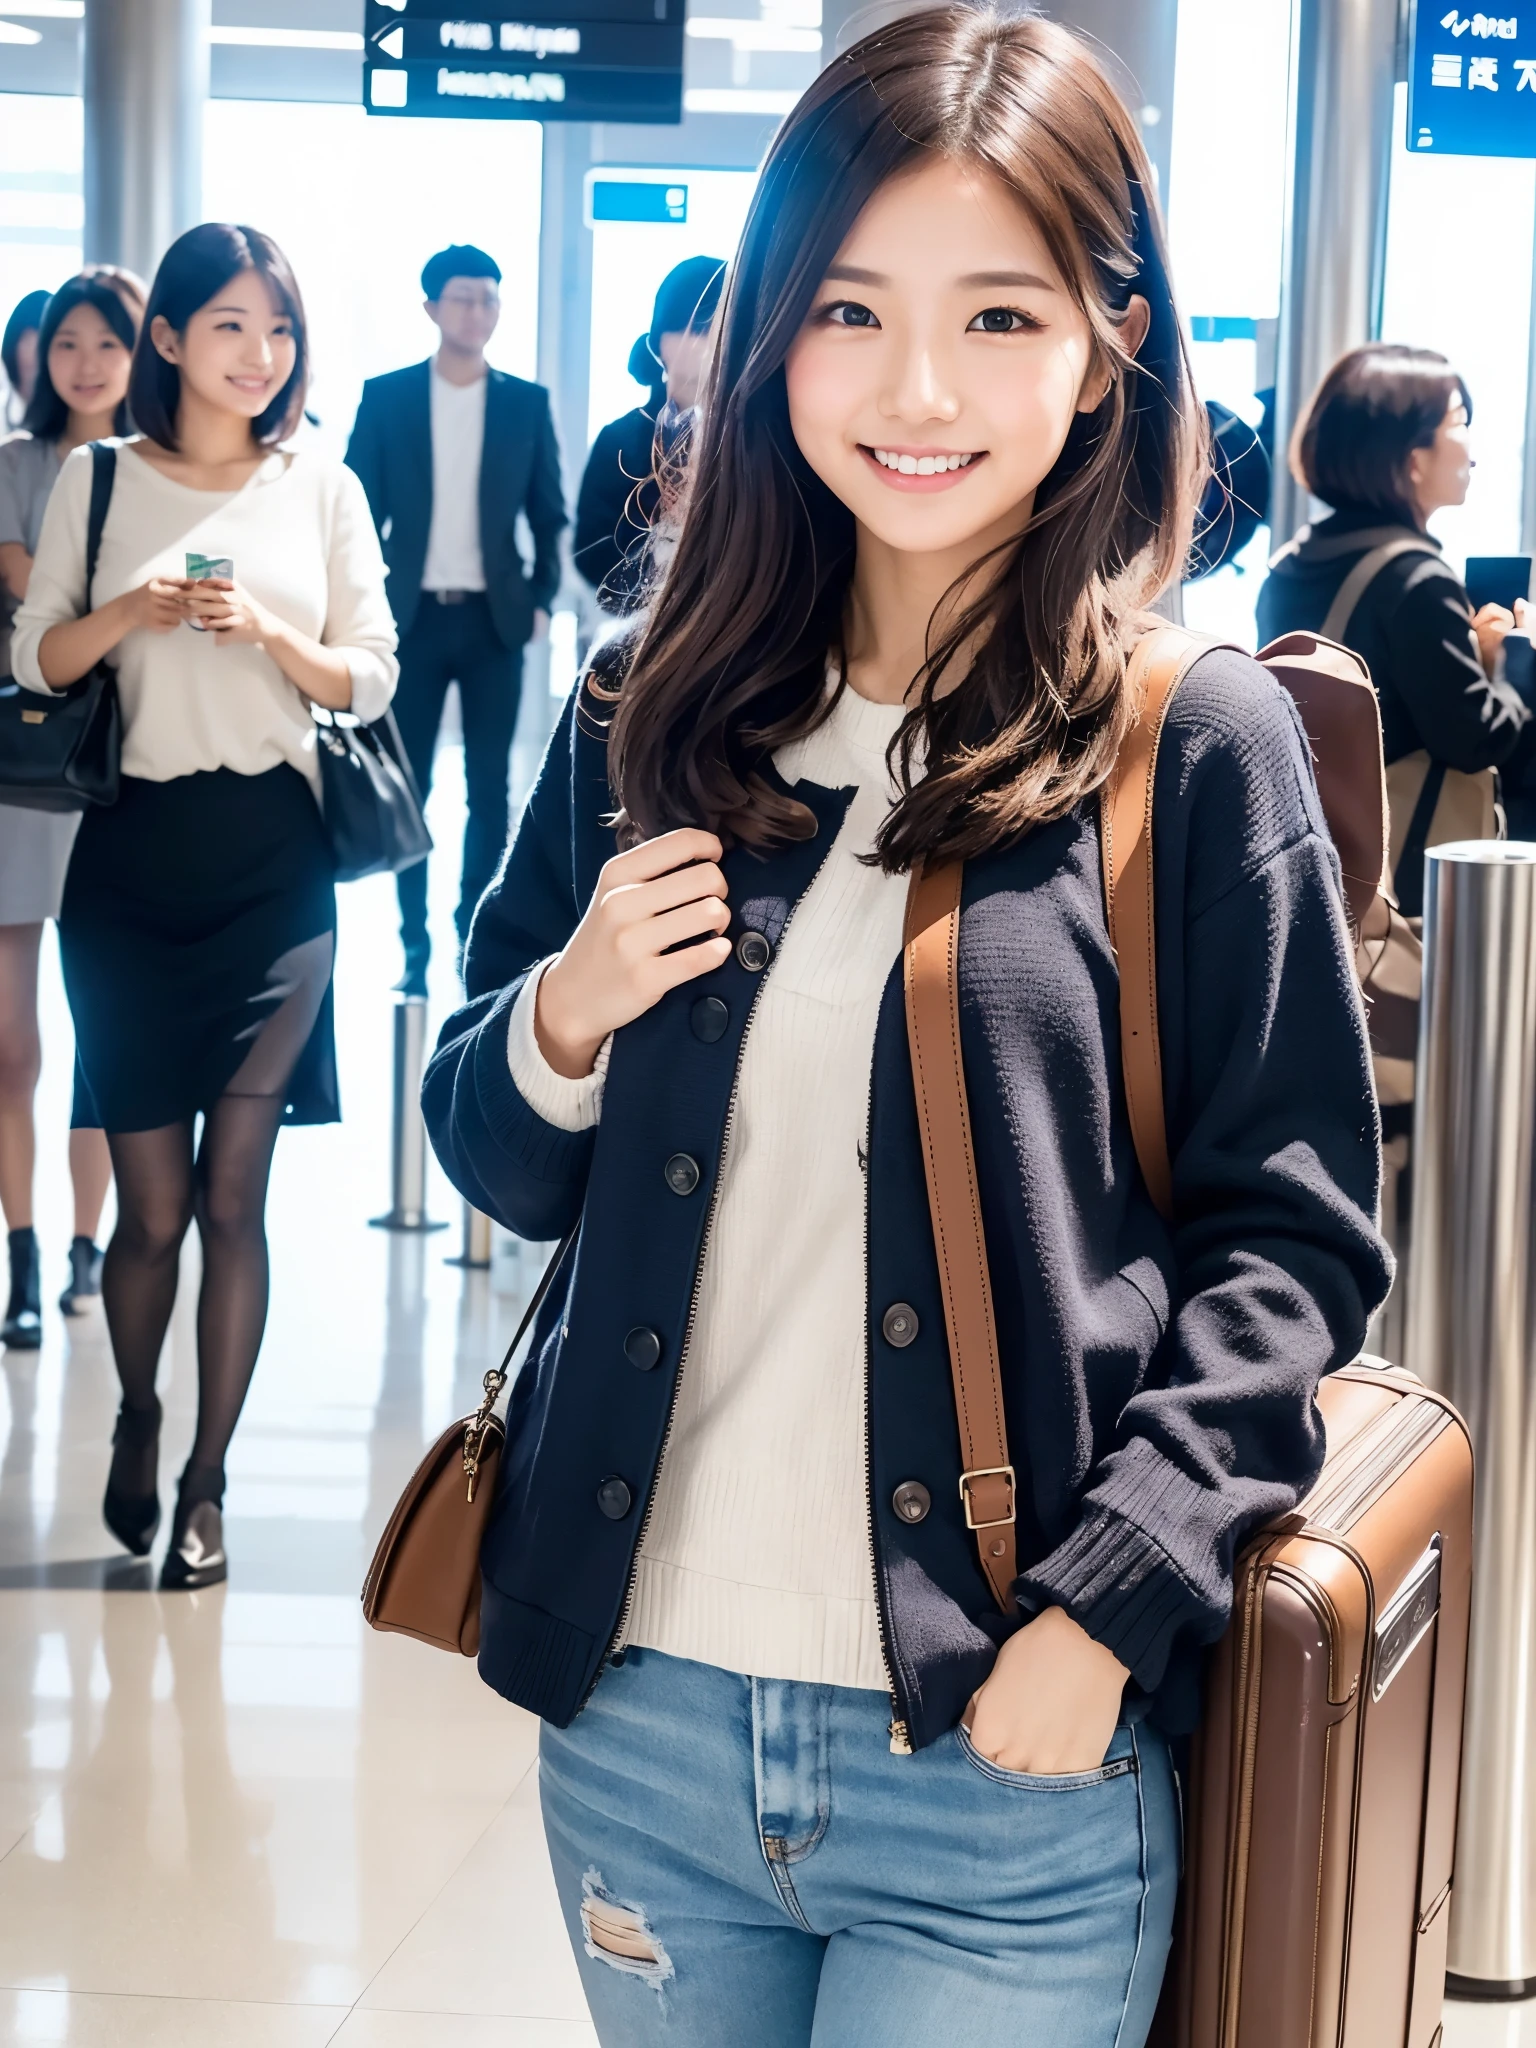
x,y
1327,547
1293,546
930,974
1364,574
1159,664
103,475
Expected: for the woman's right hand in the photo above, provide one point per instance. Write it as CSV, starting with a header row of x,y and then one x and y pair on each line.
x,y
1488,629
156,606
617,964
71,649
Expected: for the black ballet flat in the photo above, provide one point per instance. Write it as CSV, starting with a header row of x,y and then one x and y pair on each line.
x,y
84,1275
22,1329
131,1507
196,1555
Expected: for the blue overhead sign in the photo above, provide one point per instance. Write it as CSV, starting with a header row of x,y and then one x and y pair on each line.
x,y
546,60
1472,81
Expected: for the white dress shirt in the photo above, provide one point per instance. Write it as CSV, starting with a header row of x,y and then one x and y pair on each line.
x,y
454,559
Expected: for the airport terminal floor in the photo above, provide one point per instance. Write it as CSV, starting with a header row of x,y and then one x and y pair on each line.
x,y
238,1817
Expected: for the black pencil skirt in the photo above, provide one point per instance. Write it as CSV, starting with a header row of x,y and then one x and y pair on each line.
x,y
197,933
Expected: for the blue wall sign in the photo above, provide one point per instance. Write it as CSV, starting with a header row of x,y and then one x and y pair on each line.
x,y
1472,81
629,199
521,60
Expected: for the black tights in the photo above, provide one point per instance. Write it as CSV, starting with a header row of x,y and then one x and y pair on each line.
x,y
161,1185
163,1181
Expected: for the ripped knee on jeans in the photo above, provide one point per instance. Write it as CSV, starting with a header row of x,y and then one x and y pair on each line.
x,y
617,1933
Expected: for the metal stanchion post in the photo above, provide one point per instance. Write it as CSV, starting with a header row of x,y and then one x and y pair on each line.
x,y
475,1246
1471,1332
408,1135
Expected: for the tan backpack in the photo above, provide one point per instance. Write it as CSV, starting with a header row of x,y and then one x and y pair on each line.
x,y
1331,688
1427,802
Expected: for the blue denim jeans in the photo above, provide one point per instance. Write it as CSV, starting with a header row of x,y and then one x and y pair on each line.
x,y
742,1863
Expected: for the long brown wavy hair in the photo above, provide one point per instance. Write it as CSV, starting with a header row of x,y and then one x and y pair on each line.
x,y
730,662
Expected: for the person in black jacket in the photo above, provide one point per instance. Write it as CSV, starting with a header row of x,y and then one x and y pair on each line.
x,y
817,1761
1384,442
450,452
619,495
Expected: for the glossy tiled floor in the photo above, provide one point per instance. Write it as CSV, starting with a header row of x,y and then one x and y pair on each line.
x,y
238,1819
1490,2026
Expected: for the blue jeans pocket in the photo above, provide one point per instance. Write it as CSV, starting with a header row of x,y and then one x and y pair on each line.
x,y
1028,1781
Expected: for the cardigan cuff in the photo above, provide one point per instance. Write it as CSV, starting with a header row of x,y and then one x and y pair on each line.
x,y
1122,1587
1150,1557
568,1105
529,1142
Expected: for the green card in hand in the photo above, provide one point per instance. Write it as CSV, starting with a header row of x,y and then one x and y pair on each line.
x,y
200,568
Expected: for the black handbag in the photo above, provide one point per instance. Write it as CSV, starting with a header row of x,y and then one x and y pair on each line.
x,y
63,751
372,810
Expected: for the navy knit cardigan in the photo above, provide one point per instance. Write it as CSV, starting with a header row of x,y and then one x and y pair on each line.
x,y
1159,1382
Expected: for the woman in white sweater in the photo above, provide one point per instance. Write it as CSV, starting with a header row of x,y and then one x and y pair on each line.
x,y
854,1738
199,916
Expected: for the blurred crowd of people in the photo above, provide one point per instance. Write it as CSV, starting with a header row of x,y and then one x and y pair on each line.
x,y
196,913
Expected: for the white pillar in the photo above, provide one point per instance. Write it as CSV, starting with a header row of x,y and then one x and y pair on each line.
x,y
145,80
1134,39
565,290
1343,67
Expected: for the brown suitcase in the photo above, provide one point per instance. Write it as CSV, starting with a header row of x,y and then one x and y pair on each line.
x,y
1322,1816
1323,1782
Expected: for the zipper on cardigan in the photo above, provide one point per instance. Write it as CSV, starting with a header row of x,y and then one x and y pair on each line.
x,y
617,1638
900,1728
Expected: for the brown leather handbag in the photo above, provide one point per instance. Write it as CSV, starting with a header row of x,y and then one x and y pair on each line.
x,y
425,1577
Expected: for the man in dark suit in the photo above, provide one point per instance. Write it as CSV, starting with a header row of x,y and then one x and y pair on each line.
x,y
450,452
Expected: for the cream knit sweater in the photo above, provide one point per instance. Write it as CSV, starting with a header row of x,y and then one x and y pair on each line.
x,y
757,1557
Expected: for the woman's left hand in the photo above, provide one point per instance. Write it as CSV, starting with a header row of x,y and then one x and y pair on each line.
x,y
231,616
1052,1702
227,611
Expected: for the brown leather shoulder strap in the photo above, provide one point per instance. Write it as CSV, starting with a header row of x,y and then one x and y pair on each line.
x,y
930,970
1160,663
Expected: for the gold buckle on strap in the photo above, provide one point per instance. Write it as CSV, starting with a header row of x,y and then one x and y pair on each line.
x,y
967,1479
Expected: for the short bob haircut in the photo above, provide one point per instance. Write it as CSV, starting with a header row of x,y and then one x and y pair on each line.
x,y
1375,406
118,296
731,662
193,271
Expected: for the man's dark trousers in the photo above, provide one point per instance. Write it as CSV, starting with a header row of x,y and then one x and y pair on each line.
x,y
457,643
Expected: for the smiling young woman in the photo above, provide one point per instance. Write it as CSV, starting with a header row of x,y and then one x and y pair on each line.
x,y
199,914
802,1779
85,345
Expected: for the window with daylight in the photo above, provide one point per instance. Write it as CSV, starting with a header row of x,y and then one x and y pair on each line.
x,y
358,206
1475,213
1226,225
